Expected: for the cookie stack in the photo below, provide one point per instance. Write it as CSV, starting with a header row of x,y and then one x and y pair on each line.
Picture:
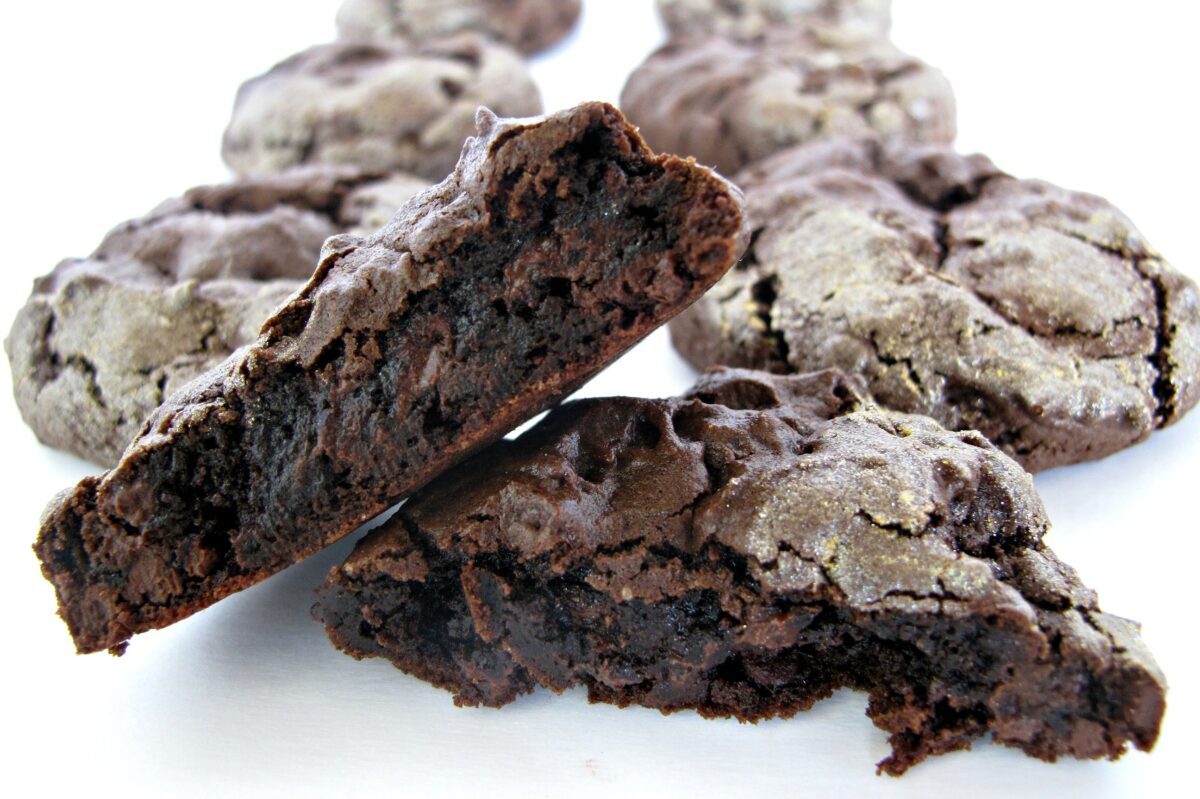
x,y
898,333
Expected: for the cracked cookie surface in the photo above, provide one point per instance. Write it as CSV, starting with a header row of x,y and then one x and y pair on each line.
x,y
753,20
1037,315
103,340
746,550
730,104
528,25
387,104
557,244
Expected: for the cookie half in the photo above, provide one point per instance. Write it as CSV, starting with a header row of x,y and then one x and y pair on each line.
x,y
746,550
557,244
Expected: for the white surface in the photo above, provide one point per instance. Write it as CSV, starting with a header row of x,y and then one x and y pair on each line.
x,y
112,106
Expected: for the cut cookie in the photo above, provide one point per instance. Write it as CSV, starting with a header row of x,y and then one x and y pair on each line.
x,y
388,104
729,103
104,340
753,20
745,551
556,245
1036,315
528,25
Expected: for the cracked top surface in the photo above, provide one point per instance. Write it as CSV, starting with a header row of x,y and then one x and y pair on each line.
x,y
750,20
103,340
823,493
388,104
788,499
528,25
1037,315
729,103
820,490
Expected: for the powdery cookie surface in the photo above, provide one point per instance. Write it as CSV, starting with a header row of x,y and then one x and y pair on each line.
x,y
388,104
746,550
751,20
103,340
1037,315
729,103
528,25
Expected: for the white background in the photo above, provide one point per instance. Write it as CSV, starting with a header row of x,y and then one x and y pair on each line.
x,y
109,107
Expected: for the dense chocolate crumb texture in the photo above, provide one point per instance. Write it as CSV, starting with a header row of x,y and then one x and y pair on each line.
x,y
745,551
103,340
1037,315
531,26
731,103
754,20
394,104
557,244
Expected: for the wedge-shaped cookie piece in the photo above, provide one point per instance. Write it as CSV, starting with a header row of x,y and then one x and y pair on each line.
x,y
746,550
1039,316
103,340
555,246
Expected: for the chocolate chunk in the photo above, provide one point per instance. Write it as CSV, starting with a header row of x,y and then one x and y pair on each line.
x,y
556,245
1037,315
528,25
103,340
389,104
729,103
754,20
745,551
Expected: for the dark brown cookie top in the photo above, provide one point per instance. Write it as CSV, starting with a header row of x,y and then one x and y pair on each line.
x,y
528,25
388,104
820,527
1037,315
820,490
729,103
753,20
103,340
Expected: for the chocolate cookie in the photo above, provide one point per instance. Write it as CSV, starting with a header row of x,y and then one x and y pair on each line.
x,y
1037,315
528,25
556,245
729,103
745,551
389,105
752,20
103,340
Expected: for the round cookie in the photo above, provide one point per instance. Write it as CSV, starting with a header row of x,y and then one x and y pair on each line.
x,y
729,103
749,20
528,25
1036,315
103,340
389,104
